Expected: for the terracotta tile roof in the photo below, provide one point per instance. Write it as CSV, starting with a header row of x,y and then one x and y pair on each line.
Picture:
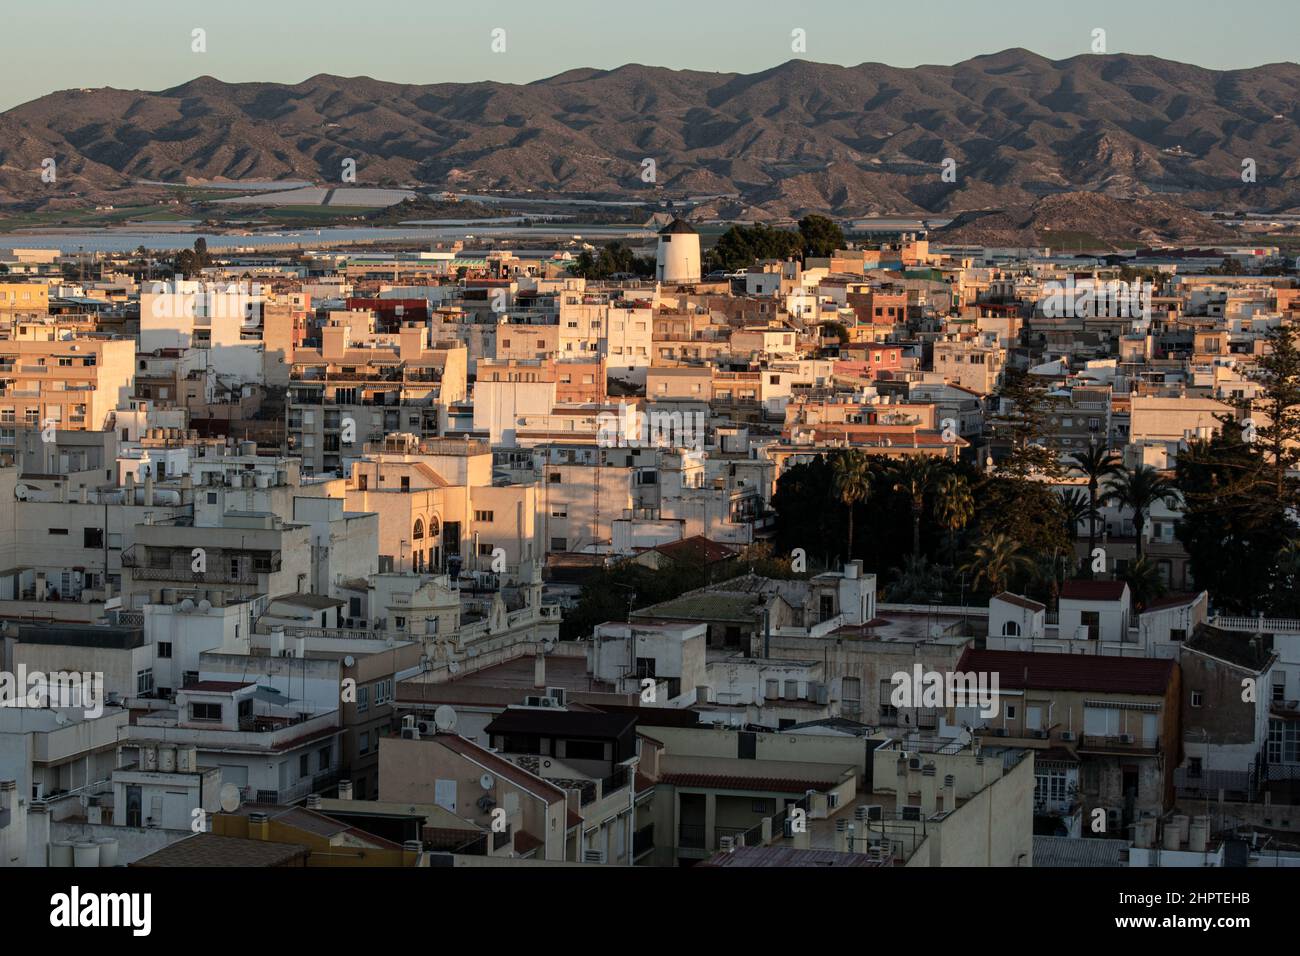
x,y
525,841
718,781
499,766
1018,670
1007,597
211,849
1170,600
697,549
1080,590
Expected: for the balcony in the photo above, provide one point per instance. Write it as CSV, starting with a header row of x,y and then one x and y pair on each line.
x,y
690,836
1119,743
179,567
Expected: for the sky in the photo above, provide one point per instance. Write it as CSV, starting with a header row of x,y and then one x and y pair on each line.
x,y
147,44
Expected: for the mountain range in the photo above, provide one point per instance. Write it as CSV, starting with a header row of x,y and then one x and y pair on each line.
x,y
801,137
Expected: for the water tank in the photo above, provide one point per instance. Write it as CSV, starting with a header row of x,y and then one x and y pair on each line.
x,y
107,851
1173,839
1182,822
1144,833
1198,835
187,758
167,759
149,758
85,855
61,853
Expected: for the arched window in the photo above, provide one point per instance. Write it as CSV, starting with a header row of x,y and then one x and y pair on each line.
x,y
434,526
418,533
1010,629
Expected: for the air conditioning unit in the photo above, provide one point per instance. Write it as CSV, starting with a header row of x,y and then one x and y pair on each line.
x,y
1126,738
1067,735
911,813
557,694
914,763
1038,734
1000,732
832,800
593,856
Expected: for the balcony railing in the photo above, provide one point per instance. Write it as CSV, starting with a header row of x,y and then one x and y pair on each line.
x,y
690,836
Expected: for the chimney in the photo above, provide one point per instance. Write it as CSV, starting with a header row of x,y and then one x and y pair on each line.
x,y
148,490
539,668
411,851
38,833
929,787
345,789
259,826
130,487
950,792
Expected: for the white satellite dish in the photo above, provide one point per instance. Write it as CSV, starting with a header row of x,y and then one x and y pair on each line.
x,y
444,718
349,660
229,797
454,667
487,781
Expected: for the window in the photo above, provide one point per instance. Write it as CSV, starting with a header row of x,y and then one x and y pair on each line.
x,y
304,765
1196,698
1011,712
553,478
92,538
205,712
1092,621
363,699
485,549
584,750
144,681
363,745
164,649
1010,629
484,516
1279,687
1194,767
59,531
559,544
323,759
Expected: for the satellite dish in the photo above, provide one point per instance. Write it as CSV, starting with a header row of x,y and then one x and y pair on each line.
x,y
444,718
548,645
349,660
487,781
229,797
454,667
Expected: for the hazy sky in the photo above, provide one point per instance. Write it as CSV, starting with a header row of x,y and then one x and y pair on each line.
x,y
146,44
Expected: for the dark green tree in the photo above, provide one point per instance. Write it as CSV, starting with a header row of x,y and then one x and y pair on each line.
x,y
821,236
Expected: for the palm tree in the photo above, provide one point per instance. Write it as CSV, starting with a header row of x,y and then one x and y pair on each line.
x,y
1138,489
1144,582
1097,465
1077,508
913,477
851,479
996,561
954,506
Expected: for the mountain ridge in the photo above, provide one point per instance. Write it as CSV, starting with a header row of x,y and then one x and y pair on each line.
x,y
798,137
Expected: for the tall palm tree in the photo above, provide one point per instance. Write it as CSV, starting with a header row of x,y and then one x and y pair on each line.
x,y
996,561
1097,465
913,477
954,506
1077,508
1138,489
851,479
